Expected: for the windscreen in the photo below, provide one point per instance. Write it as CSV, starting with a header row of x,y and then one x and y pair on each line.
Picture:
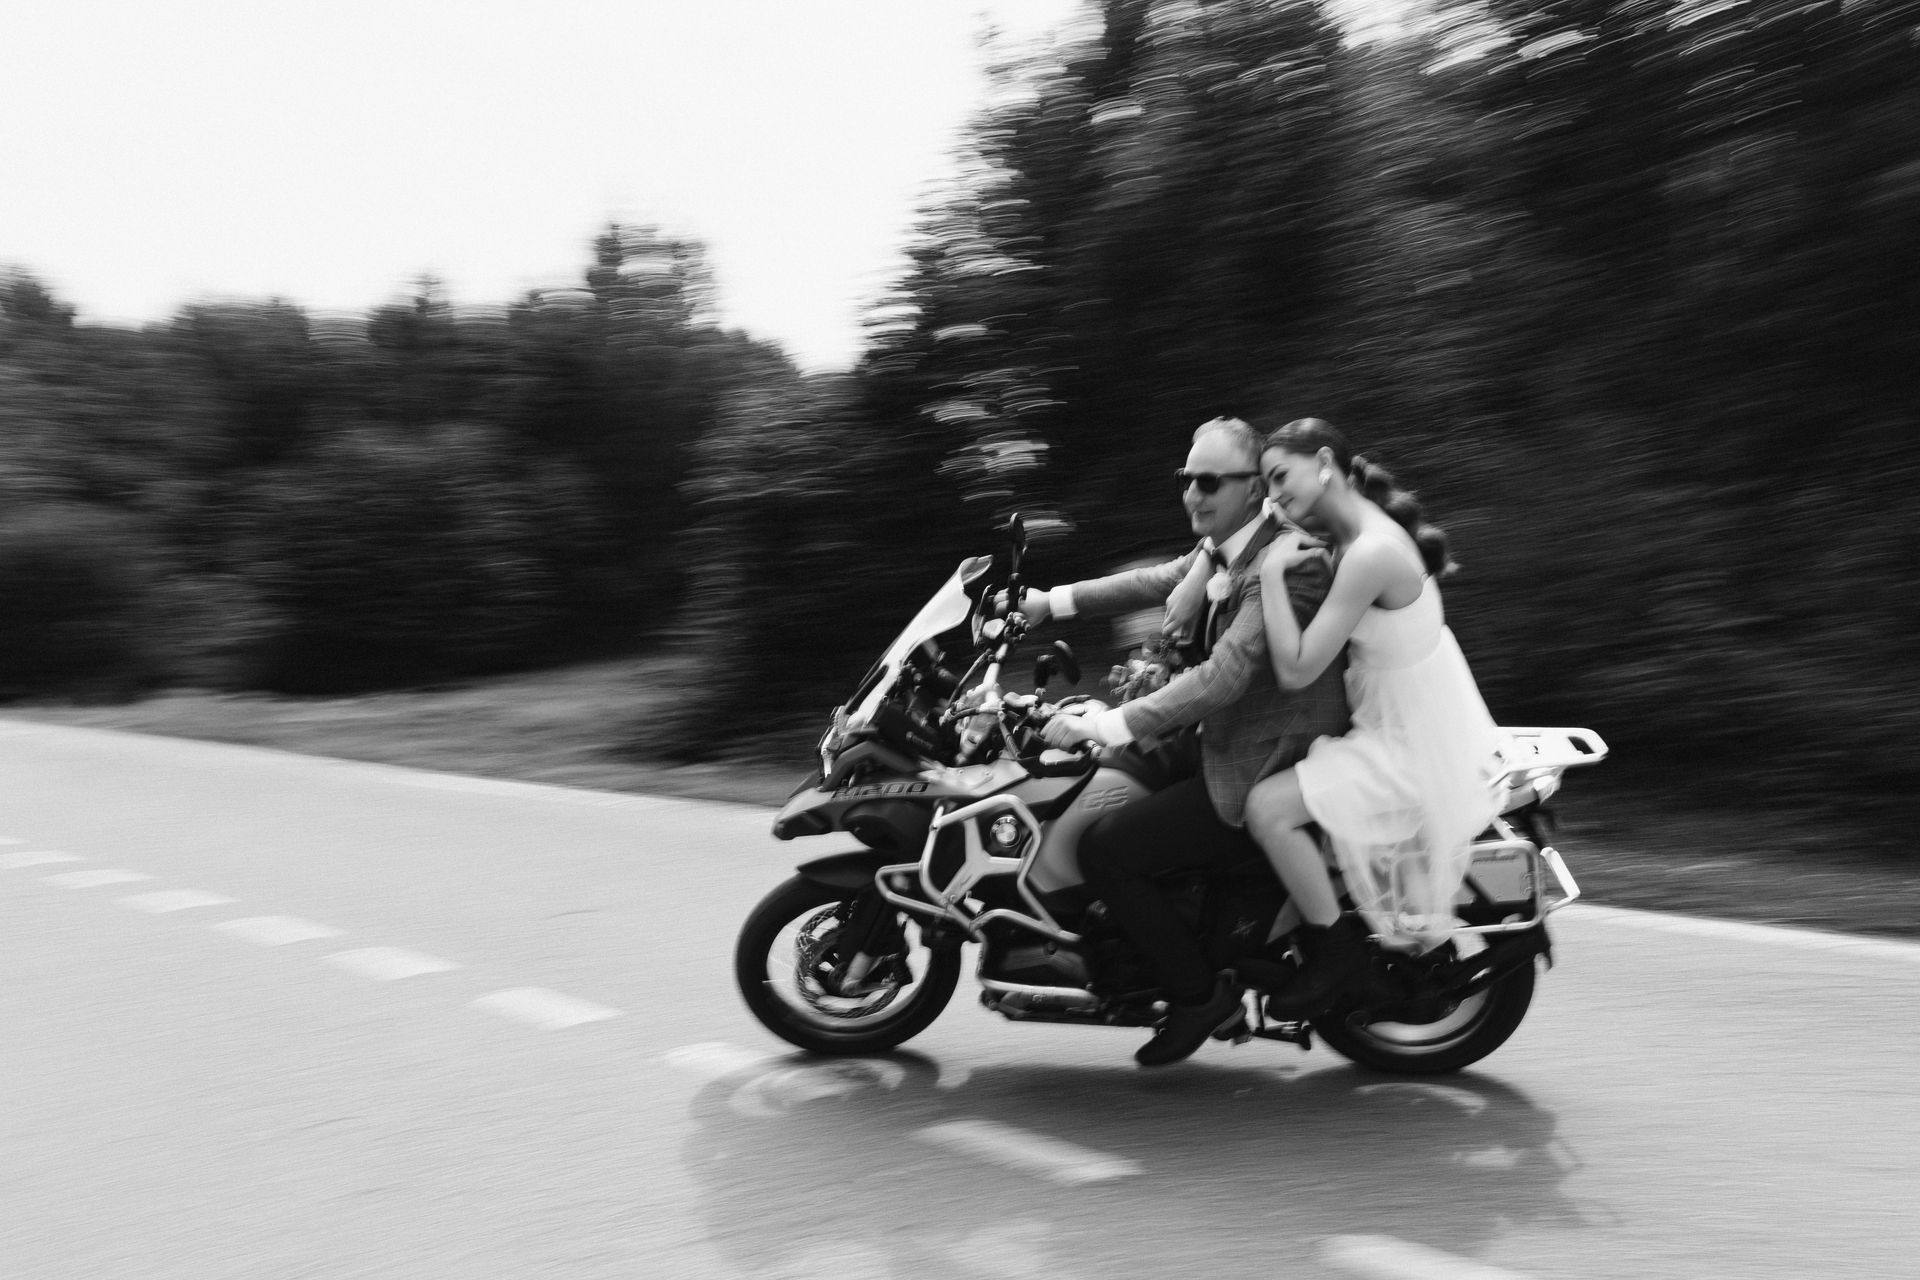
x,y
946,610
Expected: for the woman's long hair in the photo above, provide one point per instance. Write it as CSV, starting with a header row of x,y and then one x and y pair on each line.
x,y
1307,436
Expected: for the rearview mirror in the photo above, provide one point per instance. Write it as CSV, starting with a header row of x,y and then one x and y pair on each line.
x,y
1057,660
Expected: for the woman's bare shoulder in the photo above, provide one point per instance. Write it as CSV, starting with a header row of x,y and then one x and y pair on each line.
x,y
1388,534
1387,560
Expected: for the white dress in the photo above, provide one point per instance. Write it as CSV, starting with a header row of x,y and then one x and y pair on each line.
x,y
1403,794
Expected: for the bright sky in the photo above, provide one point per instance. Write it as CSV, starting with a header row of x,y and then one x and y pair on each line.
x,y
330,152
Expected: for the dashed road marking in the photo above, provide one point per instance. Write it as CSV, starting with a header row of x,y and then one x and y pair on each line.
x,y
715,1058
276,931
1390,1258
37,858
94,879
534,1006
548,1010
388,964
166,900
783,1088
1032,1153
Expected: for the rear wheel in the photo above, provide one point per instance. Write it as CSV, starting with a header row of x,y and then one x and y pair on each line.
x,y
788,966
1475,1027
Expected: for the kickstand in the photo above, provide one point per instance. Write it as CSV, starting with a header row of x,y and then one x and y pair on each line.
x,y
1299,1033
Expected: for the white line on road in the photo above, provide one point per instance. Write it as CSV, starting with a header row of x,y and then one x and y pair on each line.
x,y
1771,935
37,858
174,900
782,1089
388,964
11,840
715,1059
548,1010
94,879
1389,1258
1033,1153
276,931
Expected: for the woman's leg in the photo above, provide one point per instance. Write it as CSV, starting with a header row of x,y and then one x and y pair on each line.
x,y
1276,819
1338,962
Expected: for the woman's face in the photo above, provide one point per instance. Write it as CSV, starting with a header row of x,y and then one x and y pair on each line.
x,y
1293,482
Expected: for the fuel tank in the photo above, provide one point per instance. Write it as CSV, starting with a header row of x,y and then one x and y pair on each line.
x,y
1057,866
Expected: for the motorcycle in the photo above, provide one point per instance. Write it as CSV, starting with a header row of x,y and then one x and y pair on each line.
x,y
970,824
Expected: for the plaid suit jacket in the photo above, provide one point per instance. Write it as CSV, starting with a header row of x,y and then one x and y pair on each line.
x,y
1250,726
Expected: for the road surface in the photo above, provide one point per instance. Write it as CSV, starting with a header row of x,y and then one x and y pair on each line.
x,y
273,1016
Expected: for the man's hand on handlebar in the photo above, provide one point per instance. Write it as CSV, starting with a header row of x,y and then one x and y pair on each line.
x,y
1069,733
1034,604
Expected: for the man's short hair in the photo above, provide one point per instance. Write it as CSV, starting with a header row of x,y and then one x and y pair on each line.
x,y
1242,434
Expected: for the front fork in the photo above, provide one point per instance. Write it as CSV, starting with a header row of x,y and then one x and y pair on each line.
x,y
871,934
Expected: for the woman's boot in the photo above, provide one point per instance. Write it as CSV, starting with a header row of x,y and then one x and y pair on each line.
x,y
1338,963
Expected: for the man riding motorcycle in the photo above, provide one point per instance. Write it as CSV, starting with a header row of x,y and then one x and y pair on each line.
x,y
1226,697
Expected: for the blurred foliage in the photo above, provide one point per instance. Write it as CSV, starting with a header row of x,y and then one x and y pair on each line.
x,y
807,545
379,555
332,502
1624,287
76,582
1621,287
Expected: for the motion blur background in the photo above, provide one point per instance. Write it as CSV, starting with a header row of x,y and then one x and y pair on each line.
x,y
1626,290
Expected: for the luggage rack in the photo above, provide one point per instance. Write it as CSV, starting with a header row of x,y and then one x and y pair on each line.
x,y
1536,758
1509,873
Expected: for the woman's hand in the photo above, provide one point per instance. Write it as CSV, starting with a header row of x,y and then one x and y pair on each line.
x,y
1289,551
1068,732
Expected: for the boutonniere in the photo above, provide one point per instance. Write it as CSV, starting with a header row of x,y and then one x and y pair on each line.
x,y
1219,586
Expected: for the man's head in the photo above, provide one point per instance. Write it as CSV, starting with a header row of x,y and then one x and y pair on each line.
x,y
1221,482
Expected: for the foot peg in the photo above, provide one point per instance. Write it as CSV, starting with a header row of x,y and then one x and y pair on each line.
x,y
1298,1033
1238,1031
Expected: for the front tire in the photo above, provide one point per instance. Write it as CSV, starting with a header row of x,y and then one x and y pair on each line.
x,y
1480,1024
783,964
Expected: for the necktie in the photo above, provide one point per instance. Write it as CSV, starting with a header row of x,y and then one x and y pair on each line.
x,y
1219,561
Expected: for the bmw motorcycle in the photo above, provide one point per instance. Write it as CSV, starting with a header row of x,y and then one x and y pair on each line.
x,y
968,825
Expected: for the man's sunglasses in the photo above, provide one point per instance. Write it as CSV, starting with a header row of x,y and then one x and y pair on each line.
x,y
1209,481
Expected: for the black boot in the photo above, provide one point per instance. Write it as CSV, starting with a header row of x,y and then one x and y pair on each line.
x,y
1338,964
1188,1025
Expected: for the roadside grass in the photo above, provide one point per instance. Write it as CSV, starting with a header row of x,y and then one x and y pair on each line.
x,y
1700,846
569,726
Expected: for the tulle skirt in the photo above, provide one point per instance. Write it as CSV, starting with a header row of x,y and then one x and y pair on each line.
x,y
1404,793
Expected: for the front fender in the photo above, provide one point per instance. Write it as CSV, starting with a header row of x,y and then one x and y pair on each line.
x,y
853,870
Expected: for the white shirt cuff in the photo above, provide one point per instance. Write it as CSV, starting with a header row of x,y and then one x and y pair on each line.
x,y
1111,726
1060,602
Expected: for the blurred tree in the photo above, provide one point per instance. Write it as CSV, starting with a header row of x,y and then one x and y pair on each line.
x,y
621,378
1132,247
1624,286
379,557
75,581
795,540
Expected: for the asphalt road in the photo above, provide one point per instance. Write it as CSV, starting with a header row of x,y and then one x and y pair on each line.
x,y
269,1016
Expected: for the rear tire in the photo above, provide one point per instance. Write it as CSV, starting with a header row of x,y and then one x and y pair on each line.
x,y
781,958
1479,1025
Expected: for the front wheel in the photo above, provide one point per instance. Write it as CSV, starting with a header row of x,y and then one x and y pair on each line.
x,y
1476,1027
787,964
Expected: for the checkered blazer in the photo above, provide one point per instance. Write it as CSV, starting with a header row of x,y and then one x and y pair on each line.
x,y
1251,727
